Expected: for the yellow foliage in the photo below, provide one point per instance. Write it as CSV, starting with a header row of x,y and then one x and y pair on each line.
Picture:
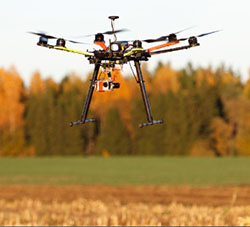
x,y
246,90
13,143
238,112
228,77
205,75
73,82
37,85
11,93
166,79
222,136
243,142
50,83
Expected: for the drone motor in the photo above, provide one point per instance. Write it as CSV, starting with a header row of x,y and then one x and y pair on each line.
x,y
99,37
172,37
137,44
192,41
60,42
42,41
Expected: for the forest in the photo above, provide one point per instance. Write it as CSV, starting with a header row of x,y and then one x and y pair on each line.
x,y
206,112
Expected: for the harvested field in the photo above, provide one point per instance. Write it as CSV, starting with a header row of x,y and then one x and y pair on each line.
x,y
124,205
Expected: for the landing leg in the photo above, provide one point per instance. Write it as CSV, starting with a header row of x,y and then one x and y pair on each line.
x,y
88,99
145,98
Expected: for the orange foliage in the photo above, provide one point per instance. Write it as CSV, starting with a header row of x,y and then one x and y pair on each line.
x,y
246,90
50,83
239,114
73,82
37,85
228,77
222,135
166,79
11,93
205,75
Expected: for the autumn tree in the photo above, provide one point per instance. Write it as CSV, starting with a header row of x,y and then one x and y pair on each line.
x,y
204,110
12,95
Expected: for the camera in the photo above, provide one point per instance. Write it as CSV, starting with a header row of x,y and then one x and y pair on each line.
x,y
106,85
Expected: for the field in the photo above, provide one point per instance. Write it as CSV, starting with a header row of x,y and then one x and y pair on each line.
x,y
124,191
126,171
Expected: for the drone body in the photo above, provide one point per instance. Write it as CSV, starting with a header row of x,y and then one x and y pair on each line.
x,y
118,53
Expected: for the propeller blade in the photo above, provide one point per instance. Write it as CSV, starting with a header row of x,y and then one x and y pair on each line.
x,y
116,31
151,40
76,42
43,35
201,35
164,38
185,29
182,39
104,33
208,33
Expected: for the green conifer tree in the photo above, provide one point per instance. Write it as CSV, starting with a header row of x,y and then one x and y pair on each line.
x,y
114,137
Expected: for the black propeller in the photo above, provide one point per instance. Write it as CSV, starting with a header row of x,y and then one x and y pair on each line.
x,y
42,34
105,33
201,35
171,37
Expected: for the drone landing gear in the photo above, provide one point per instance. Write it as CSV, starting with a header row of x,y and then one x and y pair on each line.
x,y
145,98
88,99
72,123
150,123
85,109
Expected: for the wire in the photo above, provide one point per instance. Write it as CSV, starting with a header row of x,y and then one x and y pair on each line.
x,y
133,72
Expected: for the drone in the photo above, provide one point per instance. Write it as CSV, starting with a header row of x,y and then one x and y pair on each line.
x,y
119,53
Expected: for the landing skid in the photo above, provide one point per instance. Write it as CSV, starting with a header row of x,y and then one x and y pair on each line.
x,y
144,94
72,123
150,123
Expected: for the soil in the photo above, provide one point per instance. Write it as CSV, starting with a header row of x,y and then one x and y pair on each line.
x,y
212,196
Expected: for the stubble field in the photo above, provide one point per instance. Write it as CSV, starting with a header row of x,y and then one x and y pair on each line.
x,y
65,191
123,205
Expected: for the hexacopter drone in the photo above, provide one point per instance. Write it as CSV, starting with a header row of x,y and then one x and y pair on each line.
x,y
118,53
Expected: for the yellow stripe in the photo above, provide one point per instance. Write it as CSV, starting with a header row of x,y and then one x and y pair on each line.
x,y
134,51
73,51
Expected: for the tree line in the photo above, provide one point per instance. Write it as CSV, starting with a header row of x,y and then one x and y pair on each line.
x,y
206,112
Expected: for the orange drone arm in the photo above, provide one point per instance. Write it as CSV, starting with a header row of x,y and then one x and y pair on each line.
x,y
162,45
101,44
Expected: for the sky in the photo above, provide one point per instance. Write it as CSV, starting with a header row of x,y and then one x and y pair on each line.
x,y
144,19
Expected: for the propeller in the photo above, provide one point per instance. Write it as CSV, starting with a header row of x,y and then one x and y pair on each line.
x,y
105,33
167,37
43,34
201,35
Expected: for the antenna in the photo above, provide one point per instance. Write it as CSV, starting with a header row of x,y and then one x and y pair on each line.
x,y
112,18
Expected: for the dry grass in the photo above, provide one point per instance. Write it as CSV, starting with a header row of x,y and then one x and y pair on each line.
x,y
94,212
